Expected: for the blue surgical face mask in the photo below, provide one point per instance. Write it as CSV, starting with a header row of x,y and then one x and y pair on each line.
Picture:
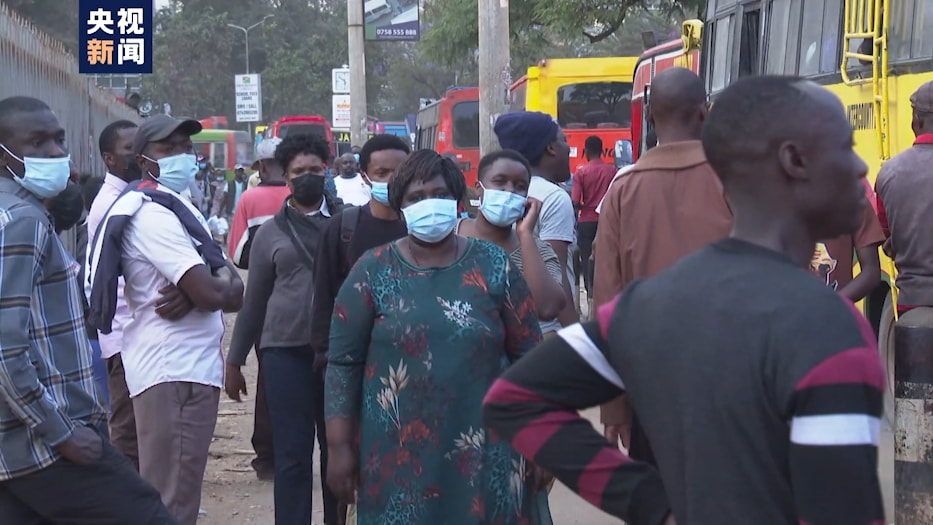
x,y
380,191
357,157
176,172
431,220
44,178
502,208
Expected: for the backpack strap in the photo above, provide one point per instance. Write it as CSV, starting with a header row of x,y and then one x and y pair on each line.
x,y
348,220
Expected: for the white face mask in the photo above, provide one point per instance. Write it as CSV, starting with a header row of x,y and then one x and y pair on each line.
x,y
43,177
177,171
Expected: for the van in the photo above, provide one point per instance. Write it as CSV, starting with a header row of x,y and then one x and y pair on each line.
x,y
376,9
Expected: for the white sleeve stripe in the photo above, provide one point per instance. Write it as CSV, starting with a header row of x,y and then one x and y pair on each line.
x,y
576,338
835,430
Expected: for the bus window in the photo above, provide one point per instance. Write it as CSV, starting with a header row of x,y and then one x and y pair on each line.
x,y
298,129
518,97
923,30
777,37
465,118
594,105
749,43
721,53
832,23
244,148
219,155
900,26
810,44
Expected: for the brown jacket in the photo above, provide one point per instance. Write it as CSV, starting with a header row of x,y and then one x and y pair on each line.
x,y
670,205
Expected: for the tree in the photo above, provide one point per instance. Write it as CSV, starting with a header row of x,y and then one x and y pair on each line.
x,y
542,28
191,63
410,76
196,56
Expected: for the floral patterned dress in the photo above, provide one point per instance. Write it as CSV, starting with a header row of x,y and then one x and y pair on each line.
x,y
412,354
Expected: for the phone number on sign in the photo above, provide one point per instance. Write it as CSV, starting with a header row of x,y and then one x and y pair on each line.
x,y
385,31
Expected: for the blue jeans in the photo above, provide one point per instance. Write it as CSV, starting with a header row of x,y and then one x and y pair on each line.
x,y
100,374
295,397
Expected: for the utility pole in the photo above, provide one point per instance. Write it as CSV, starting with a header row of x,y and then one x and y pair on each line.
x,y
355,35
246,31
493,69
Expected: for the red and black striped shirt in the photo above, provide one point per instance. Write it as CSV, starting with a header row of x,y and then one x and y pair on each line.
x,y
759,389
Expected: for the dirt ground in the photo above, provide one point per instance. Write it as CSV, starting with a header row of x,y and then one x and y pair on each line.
x,y
232,495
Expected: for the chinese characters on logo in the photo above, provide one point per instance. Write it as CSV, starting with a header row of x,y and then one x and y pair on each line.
x,y
116,40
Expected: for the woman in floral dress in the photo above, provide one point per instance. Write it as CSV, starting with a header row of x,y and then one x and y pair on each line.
x,y
421,329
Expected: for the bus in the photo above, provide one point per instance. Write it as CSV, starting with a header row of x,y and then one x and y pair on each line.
x,y
313,125
587,96
224,148
873,54
650,63
451,125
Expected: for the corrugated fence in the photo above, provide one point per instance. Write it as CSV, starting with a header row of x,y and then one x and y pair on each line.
x,y
33,64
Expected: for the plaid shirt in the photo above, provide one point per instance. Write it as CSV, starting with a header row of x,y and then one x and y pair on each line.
x,y
46,383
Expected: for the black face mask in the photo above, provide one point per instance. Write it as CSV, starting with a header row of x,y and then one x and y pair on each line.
x,y
132,169
308,189
66,207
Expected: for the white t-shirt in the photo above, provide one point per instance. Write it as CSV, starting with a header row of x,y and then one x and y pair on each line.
x,y
157,251
354,192
557,222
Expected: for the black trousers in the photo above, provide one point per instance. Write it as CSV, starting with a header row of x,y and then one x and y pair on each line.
x,y
107,492
296,407
586,234
262,426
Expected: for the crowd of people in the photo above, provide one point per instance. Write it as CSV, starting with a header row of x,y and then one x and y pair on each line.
x,y
438,359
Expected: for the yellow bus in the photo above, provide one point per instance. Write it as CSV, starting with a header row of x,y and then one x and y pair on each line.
x,y
587,96
873,54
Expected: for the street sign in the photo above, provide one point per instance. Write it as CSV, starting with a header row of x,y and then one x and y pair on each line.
x,y
341,112
340,80
248,98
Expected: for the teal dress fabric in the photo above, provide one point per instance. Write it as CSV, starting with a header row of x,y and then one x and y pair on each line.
x,y
412,354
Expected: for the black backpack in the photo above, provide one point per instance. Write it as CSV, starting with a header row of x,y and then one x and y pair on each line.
x,y
348,221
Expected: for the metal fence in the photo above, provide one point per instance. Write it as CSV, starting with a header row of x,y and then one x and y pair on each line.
x,y
35,65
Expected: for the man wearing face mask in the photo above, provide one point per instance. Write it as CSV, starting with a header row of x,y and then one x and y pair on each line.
x,y
539,138
356,230
116,150
173,362
53,429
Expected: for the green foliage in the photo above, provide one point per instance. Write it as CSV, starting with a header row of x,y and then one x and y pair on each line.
x,y
554,28
196,55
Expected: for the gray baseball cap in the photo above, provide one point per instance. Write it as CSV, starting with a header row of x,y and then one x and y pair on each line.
x,y
159,127
265,150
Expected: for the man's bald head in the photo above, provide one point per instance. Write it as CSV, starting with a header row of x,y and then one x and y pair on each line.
x,y
677,105
783,143
347,164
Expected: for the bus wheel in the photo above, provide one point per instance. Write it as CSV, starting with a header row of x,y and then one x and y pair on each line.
x,y
886,350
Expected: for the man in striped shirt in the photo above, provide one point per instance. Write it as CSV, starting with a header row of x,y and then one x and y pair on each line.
x,y
56,462
759,388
